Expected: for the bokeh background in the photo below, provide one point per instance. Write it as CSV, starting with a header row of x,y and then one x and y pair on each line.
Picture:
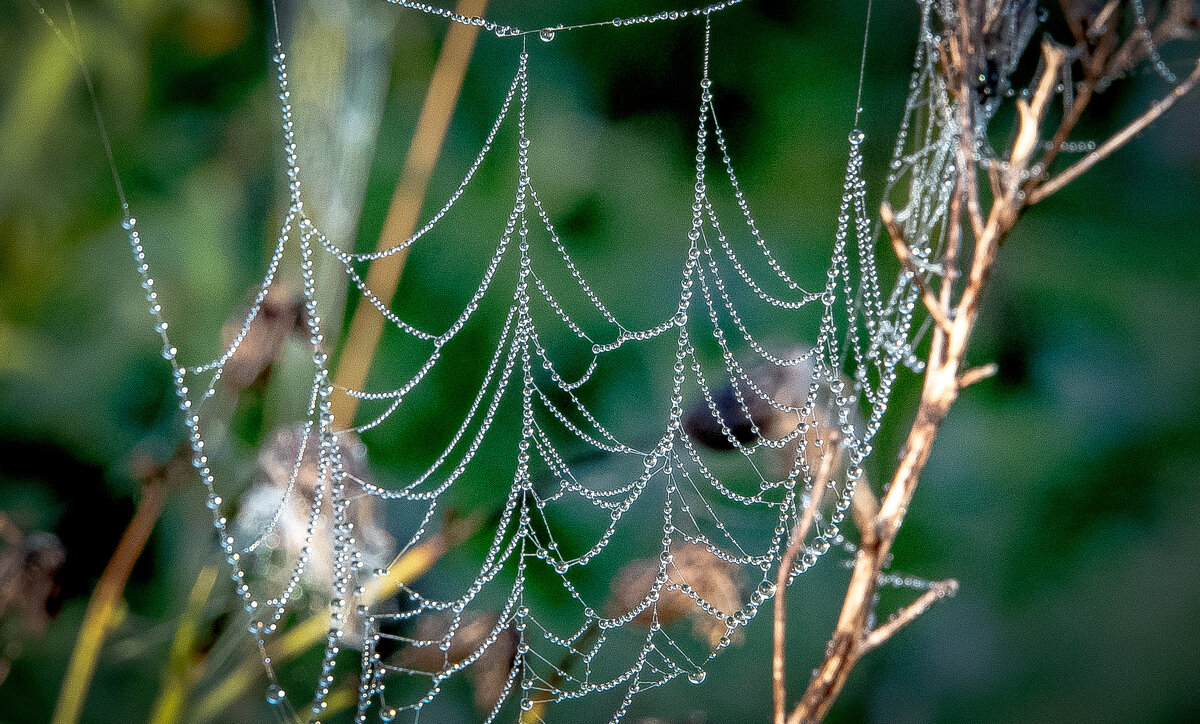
x,y
1064,494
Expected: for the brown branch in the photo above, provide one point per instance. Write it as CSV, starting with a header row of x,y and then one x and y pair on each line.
x,y
1030,115
896,234
1101,64
101,612
445,86
1119,139
852,637
908,614
1143,40
1093,70
977,374
779,614
846,645
954,62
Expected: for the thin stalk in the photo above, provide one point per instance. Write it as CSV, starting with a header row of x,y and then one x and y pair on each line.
x,y
182,669
102,608
383,278
779,613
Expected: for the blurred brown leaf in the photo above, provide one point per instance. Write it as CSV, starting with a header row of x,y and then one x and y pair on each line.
x,y
693,568
489,672
281,314
28,566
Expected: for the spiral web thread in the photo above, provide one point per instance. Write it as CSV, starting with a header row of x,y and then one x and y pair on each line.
x,y
832,405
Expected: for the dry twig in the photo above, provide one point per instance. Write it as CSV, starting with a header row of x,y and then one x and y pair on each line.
x,y
795,544
102,608
1120,138
366,328
1015,182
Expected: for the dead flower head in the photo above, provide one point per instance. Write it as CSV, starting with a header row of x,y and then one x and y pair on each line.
x,y
28,566
278,510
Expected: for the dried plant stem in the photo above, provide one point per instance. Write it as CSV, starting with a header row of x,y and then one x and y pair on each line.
x,y
101,610
928,298
1118,139
383,278
955,317
909,613
786,564
977,374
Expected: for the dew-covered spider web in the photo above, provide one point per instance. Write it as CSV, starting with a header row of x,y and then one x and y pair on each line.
x,y
689,495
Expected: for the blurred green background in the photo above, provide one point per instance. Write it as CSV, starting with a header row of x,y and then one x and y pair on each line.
x,y
1063,494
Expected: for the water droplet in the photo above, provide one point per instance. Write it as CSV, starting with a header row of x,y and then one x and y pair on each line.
x,y
275,694
697,677
388,714
856,137
546,34
129,223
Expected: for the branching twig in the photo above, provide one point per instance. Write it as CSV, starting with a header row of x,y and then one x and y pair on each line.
x,y
908,614
1119,139
977,374
955,315
795,544
887,216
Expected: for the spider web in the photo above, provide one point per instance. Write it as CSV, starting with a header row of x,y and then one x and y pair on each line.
x,y
697,534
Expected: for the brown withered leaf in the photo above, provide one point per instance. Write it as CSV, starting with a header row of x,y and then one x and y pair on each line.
x,y
489,673
281,314
714,579
789,387
28,567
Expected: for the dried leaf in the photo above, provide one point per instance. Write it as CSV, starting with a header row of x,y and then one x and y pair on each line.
x,y
28,567
489,672
281,314
710,577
